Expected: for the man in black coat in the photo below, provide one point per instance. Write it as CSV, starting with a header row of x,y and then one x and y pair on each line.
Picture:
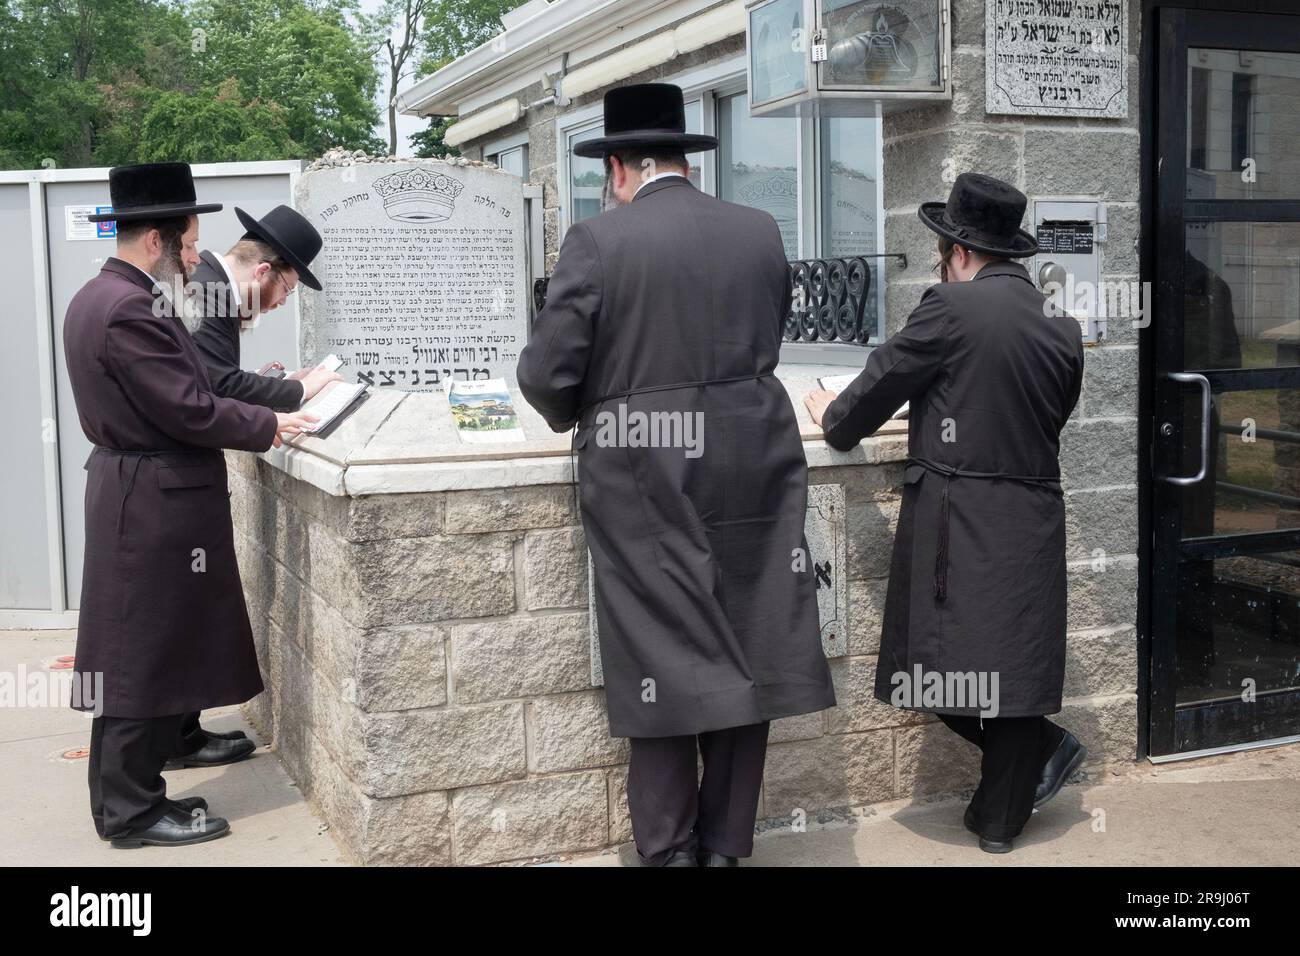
x,y
256,276
974,625
659,338
163,624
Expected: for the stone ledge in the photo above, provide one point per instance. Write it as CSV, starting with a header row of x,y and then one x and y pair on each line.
x,y
404,442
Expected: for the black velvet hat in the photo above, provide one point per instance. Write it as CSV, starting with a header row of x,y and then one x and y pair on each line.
x,y
289,233
982,213
151,191
645,114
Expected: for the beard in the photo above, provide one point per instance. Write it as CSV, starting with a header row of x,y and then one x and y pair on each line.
x,y
172,277
607,198
170,267
250,312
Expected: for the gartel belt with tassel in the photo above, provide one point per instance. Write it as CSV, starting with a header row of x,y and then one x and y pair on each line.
x,y
949,473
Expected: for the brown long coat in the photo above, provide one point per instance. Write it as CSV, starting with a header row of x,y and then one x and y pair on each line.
x,y
162,609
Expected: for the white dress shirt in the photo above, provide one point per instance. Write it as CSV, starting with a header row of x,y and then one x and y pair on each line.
x,y
230,277
647,182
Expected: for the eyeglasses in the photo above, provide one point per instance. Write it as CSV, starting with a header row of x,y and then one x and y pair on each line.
x,y
287,291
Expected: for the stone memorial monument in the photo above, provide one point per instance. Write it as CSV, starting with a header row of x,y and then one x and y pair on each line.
x,y
423,270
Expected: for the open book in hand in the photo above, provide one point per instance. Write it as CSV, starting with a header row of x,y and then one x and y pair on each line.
x,y
333,403
838,383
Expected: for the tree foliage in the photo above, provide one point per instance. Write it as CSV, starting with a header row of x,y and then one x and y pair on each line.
x,y
104,82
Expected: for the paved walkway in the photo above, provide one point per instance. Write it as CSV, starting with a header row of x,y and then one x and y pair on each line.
x,y
45,809
1241,809
1237,810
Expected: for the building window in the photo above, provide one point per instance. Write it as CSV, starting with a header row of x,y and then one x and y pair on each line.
x,y
850,213
586,177
819,178
695,124
1199,108
758,165
1243,88
513,160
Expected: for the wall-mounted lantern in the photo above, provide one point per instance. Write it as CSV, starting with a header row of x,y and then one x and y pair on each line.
x,y
843,57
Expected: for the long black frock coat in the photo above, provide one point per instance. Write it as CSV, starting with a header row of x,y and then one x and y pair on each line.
x,y
218,342
977,580
162,614
707,614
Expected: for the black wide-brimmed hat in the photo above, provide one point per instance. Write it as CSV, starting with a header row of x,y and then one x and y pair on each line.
x,y
982,213
645,114
288,233
152,191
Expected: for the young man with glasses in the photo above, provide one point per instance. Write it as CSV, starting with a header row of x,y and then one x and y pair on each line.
x,y
229,292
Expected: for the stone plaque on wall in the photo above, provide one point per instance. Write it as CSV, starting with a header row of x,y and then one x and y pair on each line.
x,y
1056,57
824,527
423,271
828,552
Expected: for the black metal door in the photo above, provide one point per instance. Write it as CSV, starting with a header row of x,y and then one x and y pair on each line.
x,y
1225,442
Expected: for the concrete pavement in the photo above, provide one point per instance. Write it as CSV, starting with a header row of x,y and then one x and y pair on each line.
x,y
45,806
1240,809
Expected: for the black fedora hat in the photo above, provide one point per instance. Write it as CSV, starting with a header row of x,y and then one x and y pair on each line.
x,y
289,233
645,114
982,213
151,191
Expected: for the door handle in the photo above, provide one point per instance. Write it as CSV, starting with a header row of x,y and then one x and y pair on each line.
x,y
1194,378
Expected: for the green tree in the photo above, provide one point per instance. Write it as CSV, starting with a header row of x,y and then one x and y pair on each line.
x,y
309,59
104,82
58,56
398,29
190,128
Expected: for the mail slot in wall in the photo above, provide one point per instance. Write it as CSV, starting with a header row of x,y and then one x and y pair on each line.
x,y
1067,266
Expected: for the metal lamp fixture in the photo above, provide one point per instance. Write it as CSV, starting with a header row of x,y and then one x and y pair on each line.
x,y
846,57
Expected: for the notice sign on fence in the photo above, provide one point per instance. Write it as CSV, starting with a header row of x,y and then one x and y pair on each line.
x,y
79,227
1056,57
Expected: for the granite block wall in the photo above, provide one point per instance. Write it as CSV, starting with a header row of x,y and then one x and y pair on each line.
x,y
427,666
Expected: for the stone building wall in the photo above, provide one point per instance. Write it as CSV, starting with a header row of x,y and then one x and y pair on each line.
x,y
427,666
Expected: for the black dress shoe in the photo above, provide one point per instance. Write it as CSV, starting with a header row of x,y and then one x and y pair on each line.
x,y
710,858
186,805
176,827
987,845
681,858
676,858
215,753
1065,760
226,734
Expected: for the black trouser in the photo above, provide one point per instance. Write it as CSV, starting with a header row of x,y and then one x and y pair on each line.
x,y
673,809
1015,750
191,737
127,791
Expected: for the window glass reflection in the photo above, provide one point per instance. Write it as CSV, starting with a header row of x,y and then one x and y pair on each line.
x,y
758,165
1243,124
586,178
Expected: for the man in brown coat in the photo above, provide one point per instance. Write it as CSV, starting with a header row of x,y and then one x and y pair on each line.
x,y
163,627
